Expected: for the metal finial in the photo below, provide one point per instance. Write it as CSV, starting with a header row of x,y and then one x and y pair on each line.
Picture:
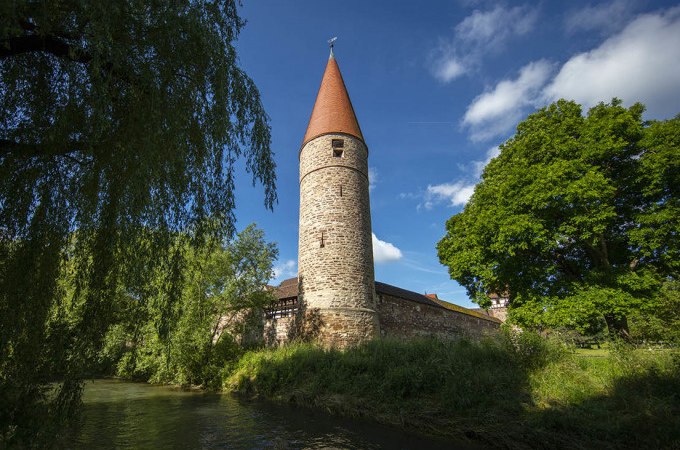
x,y
331,42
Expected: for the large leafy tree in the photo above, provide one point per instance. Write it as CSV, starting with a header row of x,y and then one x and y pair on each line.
x,y
115,118
577,218
223,285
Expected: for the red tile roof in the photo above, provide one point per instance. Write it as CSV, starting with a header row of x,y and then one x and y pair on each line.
x,y
289,289
429,299
470,312
333,111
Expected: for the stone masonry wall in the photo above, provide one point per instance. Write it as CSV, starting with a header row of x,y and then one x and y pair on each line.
x,y
337,328
343,327
335,259
398,317
277,331
500,313
405,319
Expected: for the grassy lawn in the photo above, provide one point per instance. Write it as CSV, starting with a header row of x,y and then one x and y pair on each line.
x,y
601,352
510,392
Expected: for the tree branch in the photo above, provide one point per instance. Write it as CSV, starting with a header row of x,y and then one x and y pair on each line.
x,y
603,250
53,45
597,249
18,45
567,268
18,149
633,264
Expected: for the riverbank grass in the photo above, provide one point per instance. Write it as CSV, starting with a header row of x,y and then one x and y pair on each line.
x,y
518,391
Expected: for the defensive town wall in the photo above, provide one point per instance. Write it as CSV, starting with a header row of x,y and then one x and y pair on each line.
x,y
402,314
408,318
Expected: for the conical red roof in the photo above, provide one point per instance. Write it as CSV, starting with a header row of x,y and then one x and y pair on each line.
x,y
333,112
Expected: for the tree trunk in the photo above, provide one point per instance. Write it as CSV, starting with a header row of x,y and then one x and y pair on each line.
x,y
617,326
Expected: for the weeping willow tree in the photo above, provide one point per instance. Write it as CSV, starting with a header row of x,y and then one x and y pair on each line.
x,y
115,118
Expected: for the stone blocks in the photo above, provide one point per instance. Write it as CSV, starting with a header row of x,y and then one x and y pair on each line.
x,y
335,259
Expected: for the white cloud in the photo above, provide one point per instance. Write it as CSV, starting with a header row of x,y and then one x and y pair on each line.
x,y
480,33
409,195
285,269
641,63
384,251
478,166
372,178
496,111
456,194
448,69
491,29
415,264
603,17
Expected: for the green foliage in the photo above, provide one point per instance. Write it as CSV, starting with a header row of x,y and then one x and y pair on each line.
x,y
532,350
383,377
576,219
222,285
627,400
658,321
657,236
115,119
515,391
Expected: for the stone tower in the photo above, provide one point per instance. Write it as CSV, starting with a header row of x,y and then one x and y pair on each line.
x,y
335,256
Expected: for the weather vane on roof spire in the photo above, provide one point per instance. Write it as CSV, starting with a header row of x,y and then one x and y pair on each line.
x,y
331,43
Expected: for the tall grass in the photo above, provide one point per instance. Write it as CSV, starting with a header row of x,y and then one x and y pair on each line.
x,y
514,391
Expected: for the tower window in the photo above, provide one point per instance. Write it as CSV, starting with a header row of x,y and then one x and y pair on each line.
x,y
338,145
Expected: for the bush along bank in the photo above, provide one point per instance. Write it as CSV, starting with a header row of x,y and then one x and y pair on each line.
x,y
513,391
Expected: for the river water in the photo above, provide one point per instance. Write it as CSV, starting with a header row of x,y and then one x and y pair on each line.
x,y
119,414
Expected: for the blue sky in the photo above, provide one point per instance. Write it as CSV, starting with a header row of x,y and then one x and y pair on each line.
x,y
436,87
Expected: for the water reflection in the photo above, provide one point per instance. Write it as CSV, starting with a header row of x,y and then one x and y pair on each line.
x,y
135,415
